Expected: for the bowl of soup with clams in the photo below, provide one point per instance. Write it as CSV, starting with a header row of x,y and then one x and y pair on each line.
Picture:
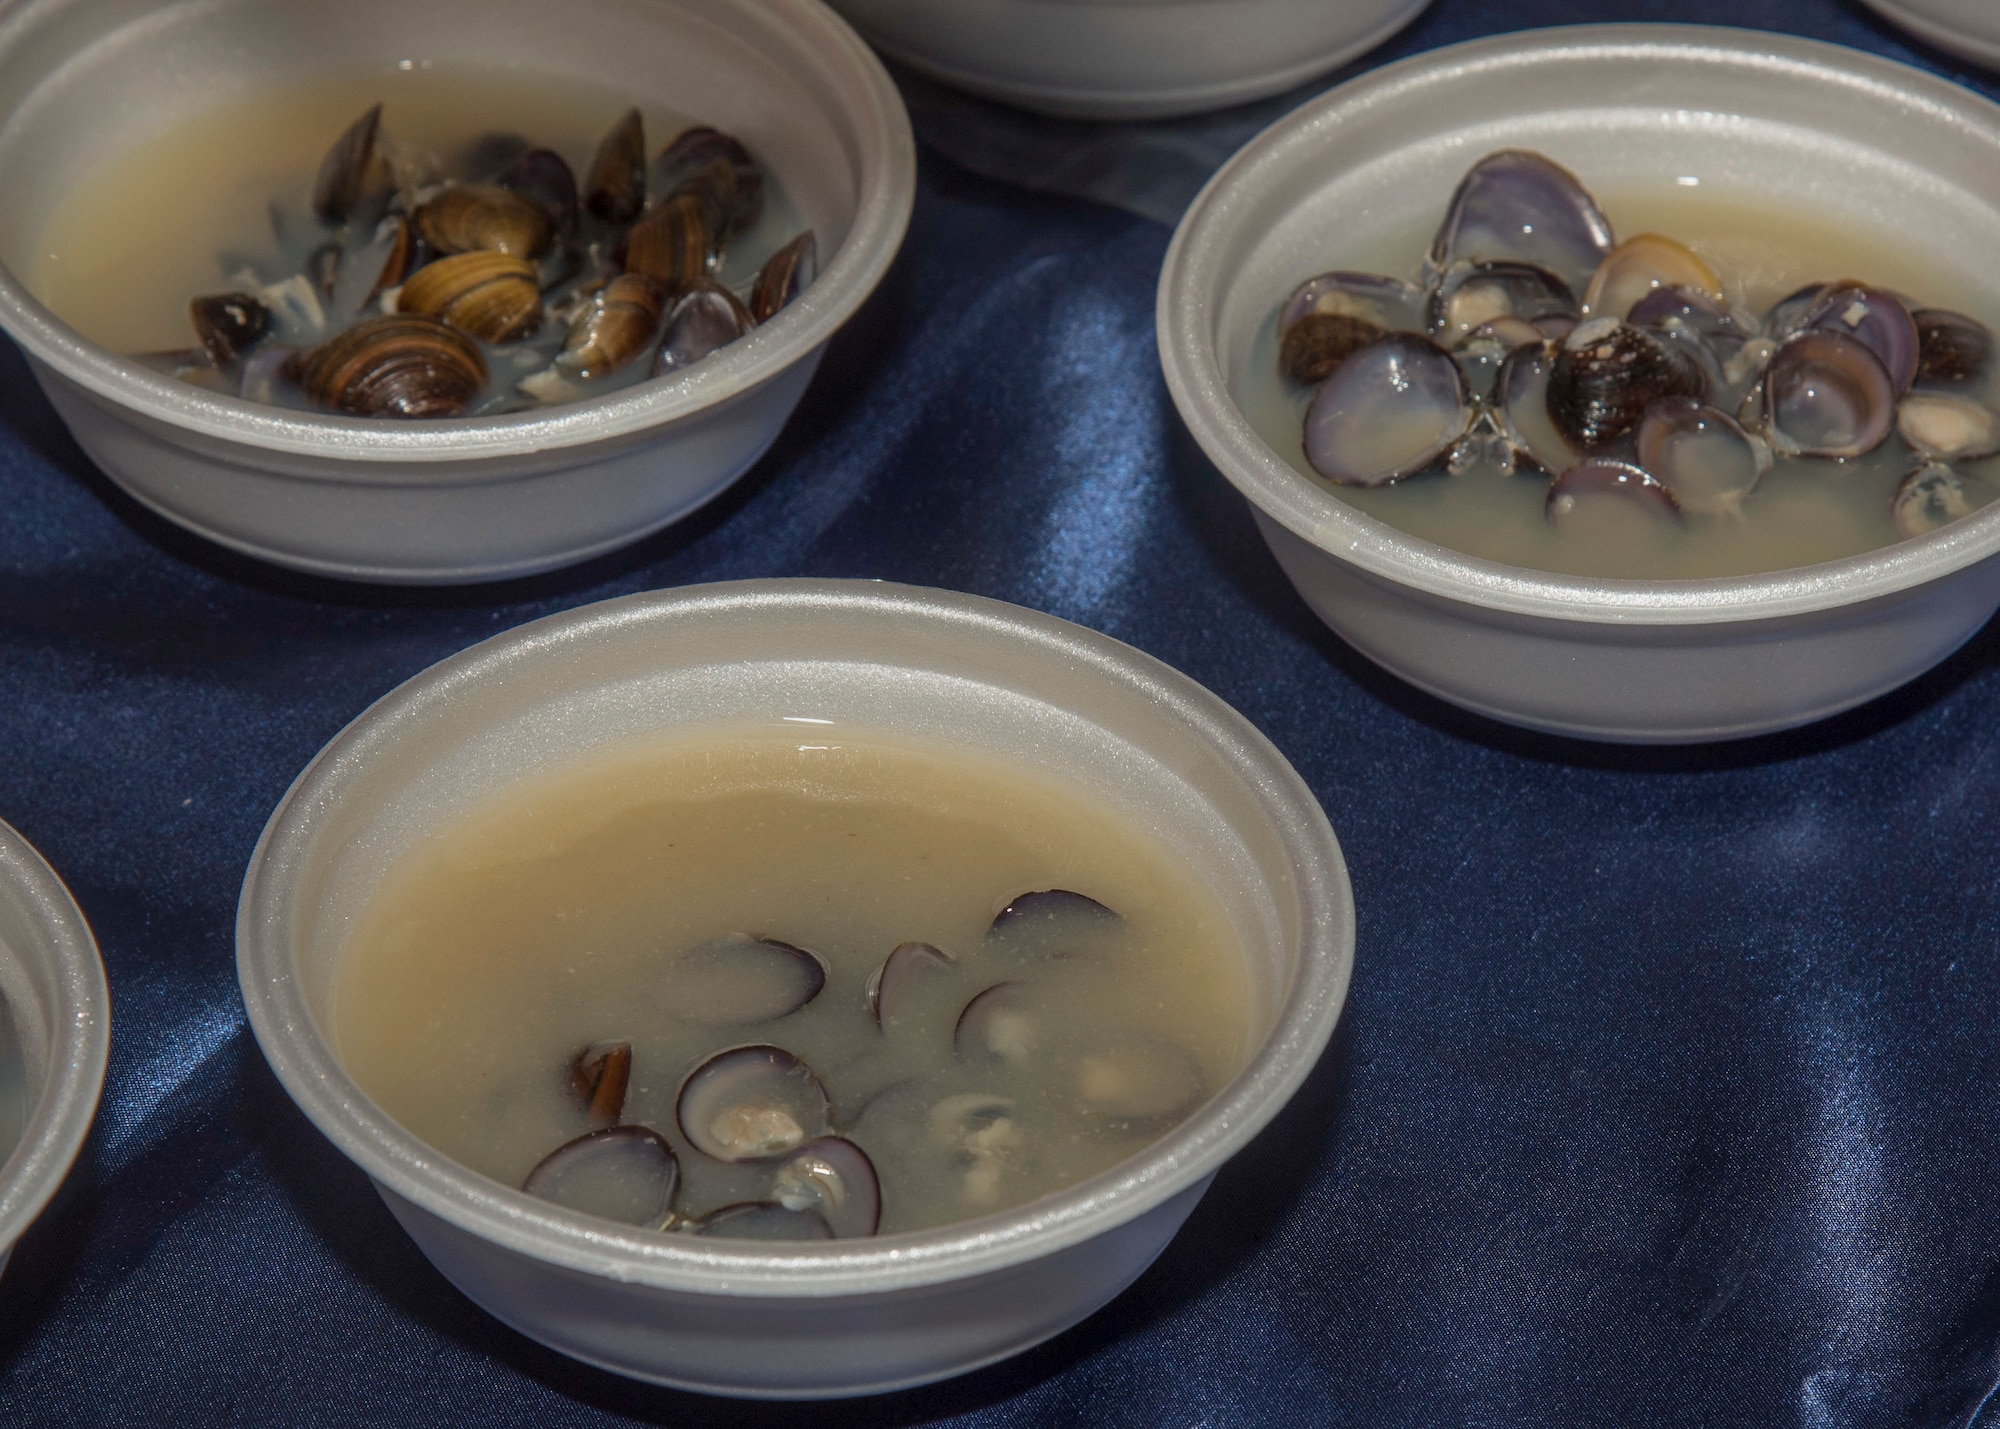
x,y
794,988
437,292
1629,382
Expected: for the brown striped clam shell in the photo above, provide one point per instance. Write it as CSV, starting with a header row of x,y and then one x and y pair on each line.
x,y
493,296
402,365
673,244
469,217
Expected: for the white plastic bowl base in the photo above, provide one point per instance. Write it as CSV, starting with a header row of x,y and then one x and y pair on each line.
x,y
1755,116
53,981
81,80
1970,28
1127,59
804,1321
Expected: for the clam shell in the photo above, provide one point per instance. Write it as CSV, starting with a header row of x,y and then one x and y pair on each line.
x,y
617,327
471,217
1517,206
672,244
1521,397
1607,373
401,365
785,275
1942,427
543,176
752,1104
1933,495
1599,479
707,317
1473,295
599,1075
694,151
349,170
763,1220
1390,411
1826,394
622,1173
1951,347
1641,265
614,188
1879,321
1702,456
896,990
228,324
493,296
834,1178
738,981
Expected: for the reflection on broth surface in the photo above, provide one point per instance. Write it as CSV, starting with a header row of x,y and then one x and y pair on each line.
x,y
742,981
1733,506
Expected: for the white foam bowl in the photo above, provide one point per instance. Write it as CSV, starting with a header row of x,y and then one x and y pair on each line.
x,y
475,499
1965,27
1759,116
53,981
1127,59
841,1318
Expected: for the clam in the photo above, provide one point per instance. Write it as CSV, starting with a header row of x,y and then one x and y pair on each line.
x,y
764,1220
1335,314
599,1075
981,1131
1607,373
1601,483
617,327
1390,411
1702,456
1138,1081
1472,295
470,218
1877,320
1790,312
707,317
897,990
1931,496
401,365
695,151
737,981
833,1178
229,325
493,296
785,275
543,177
1050,909
1641,265
752,1104
1951,347
1521,400
1942,427
385,263
622,1173
1827,395
672,244
998,1025
614,188
350,171
1515,206
1484,351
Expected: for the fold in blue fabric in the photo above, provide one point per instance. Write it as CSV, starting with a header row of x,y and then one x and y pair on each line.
x,y
1668,1091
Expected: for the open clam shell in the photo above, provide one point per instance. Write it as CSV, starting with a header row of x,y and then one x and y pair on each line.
x,y
905,984
599,1076
1517,206
1391,410
785,275
622,1173
1607,373
764,1220
832,1176
752,1104
738,980
1826,394
614,187
468,218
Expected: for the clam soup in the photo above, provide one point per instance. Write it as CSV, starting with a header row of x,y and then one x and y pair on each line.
x,y
748,986
1766,295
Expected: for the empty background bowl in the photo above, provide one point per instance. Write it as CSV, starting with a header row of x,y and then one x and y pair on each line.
x,y
1127,59
53,981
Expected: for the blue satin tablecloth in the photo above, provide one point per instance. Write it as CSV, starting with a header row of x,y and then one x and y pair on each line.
x,y
1668,1092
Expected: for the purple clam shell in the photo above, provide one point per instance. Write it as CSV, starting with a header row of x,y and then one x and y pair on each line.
x,y
1878,321
832,1176
1516,206
1826,394
895,988
1702,456
738,980
1390,411
622,1173
763,1220
752,1104
1602,477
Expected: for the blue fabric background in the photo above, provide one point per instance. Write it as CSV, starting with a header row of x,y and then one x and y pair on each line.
x,y
1666,1092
